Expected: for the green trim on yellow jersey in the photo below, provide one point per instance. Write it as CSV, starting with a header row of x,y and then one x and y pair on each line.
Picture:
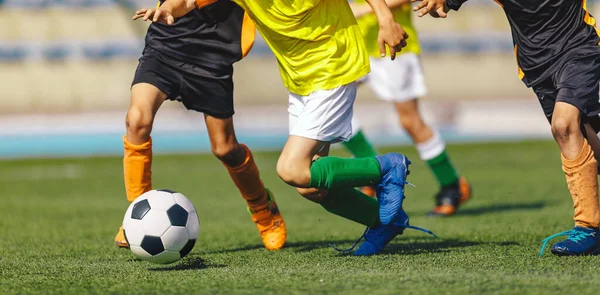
x,y
318,43
370,29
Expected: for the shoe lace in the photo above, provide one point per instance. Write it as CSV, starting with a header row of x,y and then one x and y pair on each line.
x,y
574,235
422,229
350,249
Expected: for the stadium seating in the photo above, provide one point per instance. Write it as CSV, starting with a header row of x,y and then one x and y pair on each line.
x,y
101,29
55,43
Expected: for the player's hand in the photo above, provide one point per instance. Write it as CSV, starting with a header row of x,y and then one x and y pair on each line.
x,y
160,15
392,34
435,8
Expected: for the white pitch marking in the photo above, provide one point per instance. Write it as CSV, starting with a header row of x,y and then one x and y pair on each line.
x,y
42,172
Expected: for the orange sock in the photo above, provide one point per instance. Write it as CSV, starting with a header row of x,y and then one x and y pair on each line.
x,y
137,164
247,179
582,180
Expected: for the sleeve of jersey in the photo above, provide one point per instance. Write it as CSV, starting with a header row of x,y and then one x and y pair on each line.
x,y
248,35
455,4
204,3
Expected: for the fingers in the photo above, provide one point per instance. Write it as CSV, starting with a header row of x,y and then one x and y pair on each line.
x,y
381,47
431,7
440,11
148,14
421,5
403,43
393,51
157,15
427,9
139,13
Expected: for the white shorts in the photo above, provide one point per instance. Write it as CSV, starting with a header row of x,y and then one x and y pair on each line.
x,y
397,80
324,115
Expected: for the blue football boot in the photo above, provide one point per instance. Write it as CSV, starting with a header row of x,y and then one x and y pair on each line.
x,y
378,237
581,241
390,190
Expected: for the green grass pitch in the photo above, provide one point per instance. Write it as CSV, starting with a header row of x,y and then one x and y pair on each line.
x,y
59,217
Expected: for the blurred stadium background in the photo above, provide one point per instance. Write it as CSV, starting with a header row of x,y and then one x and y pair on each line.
x,y
66,68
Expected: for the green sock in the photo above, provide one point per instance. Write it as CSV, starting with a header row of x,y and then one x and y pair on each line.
x,y
443,169
333,172
359,146
352,204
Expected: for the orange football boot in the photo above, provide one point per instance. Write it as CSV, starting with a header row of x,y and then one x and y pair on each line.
x,y
270,224
451,197
120,239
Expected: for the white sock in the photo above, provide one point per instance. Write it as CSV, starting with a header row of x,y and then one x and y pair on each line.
x,y
432,147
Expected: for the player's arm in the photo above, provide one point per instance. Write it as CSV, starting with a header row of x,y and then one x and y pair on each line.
x,y
361,9
169,10
390,32
437,8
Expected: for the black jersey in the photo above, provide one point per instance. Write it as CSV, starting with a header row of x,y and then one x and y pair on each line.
x,y
216,36
546,33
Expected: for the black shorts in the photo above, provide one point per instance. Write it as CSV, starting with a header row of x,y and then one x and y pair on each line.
x,y
199,88
575,83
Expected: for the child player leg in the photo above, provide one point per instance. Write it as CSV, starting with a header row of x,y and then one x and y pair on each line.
x,y
454,190
401,82
146,99
580,168
240,164
570,100
315,121
360,147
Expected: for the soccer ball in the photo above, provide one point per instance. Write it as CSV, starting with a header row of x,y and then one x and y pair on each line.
x,y
161,226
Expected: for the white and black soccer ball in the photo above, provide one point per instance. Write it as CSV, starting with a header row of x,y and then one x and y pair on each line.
x,y
161,226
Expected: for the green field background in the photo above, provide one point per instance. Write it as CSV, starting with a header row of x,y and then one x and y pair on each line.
x,y
59,217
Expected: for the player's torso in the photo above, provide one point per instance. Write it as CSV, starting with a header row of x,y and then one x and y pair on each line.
x,y
547,31
370,29
210,36
317,42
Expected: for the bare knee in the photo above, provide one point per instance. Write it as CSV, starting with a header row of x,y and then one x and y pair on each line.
x,y
313,194
145,101
293,173
232,154
139,123
564,128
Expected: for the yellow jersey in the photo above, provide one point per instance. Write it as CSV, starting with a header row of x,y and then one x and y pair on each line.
x,y
318,43
370,29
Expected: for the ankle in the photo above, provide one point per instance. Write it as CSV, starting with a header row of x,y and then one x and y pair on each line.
x,y
260,203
